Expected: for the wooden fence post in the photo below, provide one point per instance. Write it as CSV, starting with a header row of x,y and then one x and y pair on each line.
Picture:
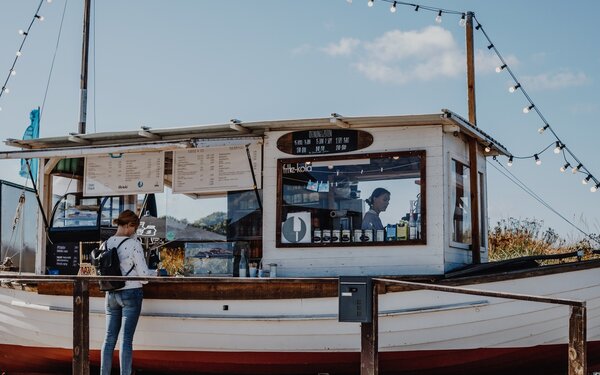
x,y
577,341
81,331
369,343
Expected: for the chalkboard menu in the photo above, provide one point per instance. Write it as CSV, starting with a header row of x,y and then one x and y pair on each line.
x,y
324,141
63,258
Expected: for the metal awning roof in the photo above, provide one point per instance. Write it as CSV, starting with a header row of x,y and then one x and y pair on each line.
x,y
146,139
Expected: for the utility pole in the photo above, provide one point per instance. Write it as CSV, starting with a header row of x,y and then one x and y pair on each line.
x,y
84,68
473,146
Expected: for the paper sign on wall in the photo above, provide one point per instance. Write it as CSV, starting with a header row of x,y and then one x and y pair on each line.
x,y
124,174
216,169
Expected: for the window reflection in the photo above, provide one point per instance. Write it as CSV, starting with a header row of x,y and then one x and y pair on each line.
x,y
460,201
375,198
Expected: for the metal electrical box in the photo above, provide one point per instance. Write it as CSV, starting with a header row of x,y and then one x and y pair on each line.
x,y
355,294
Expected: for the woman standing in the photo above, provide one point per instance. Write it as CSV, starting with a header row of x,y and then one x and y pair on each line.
x,y
378,202
123,306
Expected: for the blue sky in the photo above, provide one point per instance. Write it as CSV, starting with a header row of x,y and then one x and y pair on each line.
x,y
183,62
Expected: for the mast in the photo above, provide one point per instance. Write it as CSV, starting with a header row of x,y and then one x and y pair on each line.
x,y
84,68
473,170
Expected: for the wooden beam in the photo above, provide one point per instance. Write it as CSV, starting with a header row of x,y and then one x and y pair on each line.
x,y
16,143
239,128
76,139
474,199
147,134
470,69
369,339
577,341
50,164
81,332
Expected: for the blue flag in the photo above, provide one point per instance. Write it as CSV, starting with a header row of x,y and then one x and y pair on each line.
x,y
32,132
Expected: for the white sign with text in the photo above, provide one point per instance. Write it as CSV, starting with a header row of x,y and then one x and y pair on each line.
x,y
131,173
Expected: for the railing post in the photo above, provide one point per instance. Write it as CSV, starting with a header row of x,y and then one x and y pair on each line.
x,y
81,331
369,342
577,341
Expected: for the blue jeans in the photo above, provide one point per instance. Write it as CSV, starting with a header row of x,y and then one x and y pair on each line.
x,y
122,308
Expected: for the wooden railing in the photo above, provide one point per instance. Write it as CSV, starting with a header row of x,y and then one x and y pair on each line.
x,y
577,349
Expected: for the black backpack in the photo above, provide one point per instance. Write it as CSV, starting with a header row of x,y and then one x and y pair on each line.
x,y
108,264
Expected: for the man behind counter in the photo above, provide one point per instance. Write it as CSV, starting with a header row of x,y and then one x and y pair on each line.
x,y
378,202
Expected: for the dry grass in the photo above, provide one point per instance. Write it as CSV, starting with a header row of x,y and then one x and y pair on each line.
x,y
512,238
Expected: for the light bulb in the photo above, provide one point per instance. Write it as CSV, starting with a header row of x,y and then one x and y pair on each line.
x,y
49,1
6,90
587,179
565,167
393,8
528,108
370,3
463,21
594,188
41,18
537,159
438,18
558,148
19,53
543,129
514,88
576,169
510,161
13,72
500,68
488,148
22,32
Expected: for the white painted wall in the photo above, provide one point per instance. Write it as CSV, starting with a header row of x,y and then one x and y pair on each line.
x,y
385,260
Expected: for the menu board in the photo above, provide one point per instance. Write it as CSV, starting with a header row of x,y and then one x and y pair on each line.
x,y
324,141
124,174
63,258
216,169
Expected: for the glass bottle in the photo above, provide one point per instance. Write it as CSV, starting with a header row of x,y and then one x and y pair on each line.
x,y
243,263
412,227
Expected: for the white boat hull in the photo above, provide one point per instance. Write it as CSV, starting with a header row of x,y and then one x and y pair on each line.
x,y
411,325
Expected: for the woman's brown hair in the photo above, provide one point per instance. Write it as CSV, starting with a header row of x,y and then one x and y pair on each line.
x,y
127,217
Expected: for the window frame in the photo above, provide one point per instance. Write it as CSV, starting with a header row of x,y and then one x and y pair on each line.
x,y
481,185
309,158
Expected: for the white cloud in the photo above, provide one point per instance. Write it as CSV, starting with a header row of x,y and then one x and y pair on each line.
x,y
403,56
302,49
344,47
555,81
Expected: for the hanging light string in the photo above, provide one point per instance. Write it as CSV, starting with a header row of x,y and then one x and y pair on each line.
x,y
417,7
25,34
534,156
577,165
515,180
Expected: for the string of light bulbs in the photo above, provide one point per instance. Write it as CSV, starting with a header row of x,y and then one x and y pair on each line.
x,y
439,11
501,168
576,165
25,33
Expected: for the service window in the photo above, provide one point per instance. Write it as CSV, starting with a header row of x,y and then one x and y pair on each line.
x,y
358,200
